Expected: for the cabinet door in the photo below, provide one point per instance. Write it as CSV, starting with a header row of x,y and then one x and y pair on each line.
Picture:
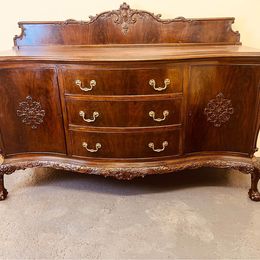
x,y
222,108
30,111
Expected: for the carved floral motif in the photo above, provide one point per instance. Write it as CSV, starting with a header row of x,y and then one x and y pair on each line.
x,y
219,110
125,16
31,112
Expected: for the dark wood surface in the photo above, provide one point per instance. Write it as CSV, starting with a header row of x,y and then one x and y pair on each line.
x,y
127,26
125,113
127,53
39,83
109,80
236,83
126,145
58,69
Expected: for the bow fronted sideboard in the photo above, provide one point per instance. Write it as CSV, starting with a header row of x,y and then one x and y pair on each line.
x,y
128,94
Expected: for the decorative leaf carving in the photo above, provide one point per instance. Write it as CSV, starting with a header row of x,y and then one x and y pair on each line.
x,y
128,173
125,16
219,110
31,112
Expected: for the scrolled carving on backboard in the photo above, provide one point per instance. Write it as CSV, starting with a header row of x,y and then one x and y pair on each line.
x,y
31,112
22,34
219,110
125,17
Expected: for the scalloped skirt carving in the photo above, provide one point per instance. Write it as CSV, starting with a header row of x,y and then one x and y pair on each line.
x,y
127,170
130,170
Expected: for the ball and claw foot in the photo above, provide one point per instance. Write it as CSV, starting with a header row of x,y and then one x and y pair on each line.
x,y
3,191
3,194
254,195
253,192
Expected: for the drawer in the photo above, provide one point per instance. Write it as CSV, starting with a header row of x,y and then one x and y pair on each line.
x,y
85,81
124,113
155,143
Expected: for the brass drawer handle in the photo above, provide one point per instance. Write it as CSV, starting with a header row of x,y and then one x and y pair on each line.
x,y
153,84
85,145
164,144
165,114
92,84
89,120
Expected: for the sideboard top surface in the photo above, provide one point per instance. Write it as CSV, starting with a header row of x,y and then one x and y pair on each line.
x,y
126,53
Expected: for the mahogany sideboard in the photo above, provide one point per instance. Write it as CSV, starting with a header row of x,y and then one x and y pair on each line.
x,y
128,94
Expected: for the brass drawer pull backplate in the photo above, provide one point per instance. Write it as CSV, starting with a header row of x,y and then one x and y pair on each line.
x,y
85,145
165,114
92,84
89,120
164,144
152,83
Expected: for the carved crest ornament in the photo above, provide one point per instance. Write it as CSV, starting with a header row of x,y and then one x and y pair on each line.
x,y
125,17
219,110
31,112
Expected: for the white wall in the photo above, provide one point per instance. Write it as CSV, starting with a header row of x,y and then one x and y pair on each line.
x,y
246,12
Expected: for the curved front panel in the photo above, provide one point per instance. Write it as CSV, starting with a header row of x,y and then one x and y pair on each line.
x,y
30,112
216,113
137,144
99,113
84,80
222,107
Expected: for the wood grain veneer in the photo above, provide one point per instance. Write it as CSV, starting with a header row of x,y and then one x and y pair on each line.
x,y
135,80
134,113
170,95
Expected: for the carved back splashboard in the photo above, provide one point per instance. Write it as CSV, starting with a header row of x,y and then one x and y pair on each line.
x,y
128,26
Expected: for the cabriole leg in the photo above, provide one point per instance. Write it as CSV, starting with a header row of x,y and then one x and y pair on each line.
x,y
3,191
253,192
